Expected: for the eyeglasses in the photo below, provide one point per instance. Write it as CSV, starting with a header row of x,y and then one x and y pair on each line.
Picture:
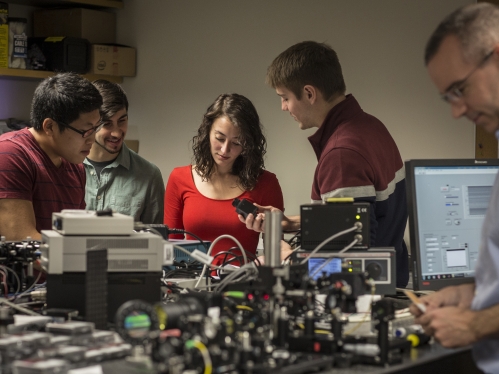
x,y
456,93
84,133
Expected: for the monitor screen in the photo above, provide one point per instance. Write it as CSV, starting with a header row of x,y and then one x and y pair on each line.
x,y
447,201
317,268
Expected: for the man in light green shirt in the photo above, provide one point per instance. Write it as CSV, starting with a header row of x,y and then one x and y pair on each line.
x,y
117,177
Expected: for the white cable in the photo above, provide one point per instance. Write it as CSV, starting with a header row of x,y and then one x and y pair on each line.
x,y
285,262
244,273
15,275
235,241
211,248
31,287
355,241
353,228
17,307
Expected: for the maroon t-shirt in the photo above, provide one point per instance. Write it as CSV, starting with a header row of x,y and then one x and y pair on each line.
x,y
27,173
357,157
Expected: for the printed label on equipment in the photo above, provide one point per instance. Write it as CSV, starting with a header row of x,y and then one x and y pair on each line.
x,y
168,254
96,369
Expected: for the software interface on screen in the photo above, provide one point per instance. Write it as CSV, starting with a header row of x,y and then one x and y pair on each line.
x,y
333,266
451,205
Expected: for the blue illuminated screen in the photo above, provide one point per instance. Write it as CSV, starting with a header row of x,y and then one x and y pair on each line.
x,y
334,266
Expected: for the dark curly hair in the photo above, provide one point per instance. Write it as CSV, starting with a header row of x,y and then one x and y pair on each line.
x,y
240,111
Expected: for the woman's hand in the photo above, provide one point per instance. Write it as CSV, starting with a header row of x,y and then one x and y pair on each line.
x,y
256,223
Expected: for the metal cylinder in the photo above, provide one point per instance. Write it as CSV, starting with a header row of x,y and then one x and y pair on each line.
x,y
30,269
246,342
309,323
283,329
272,238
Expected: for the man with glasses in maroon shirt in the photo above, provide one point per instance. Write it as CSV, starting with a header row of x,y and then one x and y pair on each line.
x,y
41,168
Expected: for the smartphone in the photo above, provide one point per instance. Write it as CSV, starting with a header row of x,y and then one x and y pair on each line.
x,y
244,207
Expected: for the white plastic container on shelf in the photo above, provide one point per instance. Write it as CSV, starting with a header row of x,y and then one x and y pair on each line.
x,y
18,43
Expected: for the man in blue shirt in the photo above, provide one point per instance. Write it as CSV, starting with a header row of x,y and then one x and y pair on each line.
x,y
117,177
462,57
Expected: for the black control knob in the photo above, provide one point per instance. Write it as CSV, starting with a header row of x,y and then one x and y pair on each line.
x,y
374,270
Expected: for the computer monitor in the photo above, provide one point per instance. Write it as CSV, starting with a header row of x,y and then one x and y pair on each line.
x,y
447,203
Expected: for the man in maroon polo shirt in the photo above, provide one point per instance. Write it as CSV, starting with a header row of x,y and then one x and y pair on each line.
x,y
41,168
357,157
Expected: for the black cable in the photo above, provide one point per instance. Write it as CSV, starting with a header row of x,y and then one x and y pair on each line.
x,y
138,226
248,253
226,253
239,259
180,231
257,260
141,226
180,273
188,265
288,256
233,251
294,236
230,260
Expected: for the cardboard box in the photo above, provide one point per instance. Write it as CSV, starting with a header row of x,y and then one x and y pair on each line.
x,y
96,26
4,35
113,60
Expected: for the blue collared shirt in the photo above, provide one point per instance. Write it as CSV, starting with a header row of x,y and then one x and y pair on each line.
x,y
486,351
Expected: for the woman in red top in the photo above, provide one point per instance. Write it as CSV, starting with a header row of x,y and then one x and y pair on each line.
x,y
227,164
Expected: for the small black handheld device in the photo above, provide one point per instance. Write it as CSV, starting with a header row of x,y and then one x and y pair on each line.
x,y
244,207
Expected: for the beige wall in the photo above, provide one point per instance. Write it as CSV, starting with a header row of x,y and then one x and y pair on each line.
x,y
190,51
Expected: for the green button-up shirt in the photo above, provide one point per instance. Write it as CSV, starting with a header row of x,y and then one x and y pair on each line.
x,y
130,185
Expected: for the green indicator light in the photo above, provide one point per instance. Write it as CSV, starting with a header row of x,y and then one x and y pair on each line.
x,y
357,216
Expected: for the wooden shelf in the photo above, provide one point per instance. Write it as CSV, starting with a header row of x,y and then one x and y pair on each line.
x,y
116,4
39,74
